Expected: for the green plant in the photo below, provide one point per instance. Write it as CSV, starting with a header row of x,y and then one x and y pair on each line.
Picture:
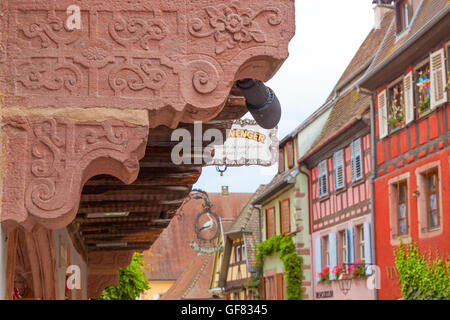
x,y
422,277
291,261
324,275
252,285
424,105
357,270
132,281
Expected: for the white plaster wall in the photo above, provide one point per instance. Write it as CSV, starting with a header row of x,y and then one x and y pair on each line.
x,y
308,135
75,259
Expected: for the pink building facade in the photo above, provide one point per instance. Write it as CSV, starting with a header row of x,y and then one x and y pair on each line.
x,y
341,222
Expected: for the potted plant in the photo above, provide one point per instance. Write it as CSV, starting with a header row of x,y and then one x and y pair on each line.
x,y
397,118
324,275
357,269
339,270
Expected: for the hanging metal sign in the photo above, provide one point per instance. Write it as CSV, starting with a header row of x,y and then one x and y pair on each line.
x,y
246,144
207,226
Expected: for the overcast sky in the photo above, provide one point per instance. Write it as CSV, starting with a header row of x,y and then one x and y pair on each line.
x,y
328,34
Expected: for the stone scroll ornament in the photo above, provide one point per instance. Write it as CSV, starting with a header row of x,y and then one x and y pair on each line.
x,y
49,160
177,59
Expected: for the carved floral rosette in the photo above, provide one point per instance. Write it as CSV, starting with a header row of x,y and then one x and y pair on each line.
x,y
178,59
48,161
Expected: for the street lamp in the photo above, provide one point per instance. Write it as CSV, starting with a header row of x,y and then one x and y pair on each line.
x,y
345,283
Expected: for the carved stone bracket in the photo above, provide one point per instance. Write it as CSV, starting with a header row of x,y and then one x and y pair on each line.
x,y
47,162
103,270
178,59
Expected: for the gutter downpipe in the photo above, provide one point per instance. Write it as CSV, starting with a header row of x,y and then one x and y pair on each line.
x,y
372,183
260,273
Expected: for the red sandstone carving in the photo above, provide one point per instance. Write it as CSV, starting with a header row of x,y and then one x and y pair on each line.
x,y
48,161
180,57
103,270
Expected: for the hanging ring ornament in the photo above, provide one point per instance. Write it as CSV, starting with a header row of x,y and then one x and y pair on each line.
x,y
221,170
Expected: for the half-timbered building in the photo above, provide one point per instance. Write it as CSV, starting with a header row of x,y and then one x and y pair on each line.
x,y
408,79
340,211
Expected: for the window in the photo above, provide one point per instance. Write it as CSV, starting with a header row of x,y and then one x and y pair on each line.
x,y
342,245
243,253
325,251
448,57
396,112
237,253
290,154
281,160
339,169
285,217
323,178
356,160
422,89
404,15
432,198
429,199
402,207
270,222
360,243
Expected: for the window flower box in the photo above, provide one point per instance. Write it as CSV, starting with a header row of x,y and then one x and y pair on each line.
x,y
324,275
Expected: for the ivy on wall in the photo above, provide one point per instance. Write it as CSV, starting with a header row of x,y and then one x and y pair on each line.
x,y
421,277
291,261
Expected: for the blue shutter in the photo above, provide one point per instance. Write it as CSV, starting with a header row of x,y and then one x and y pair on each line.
x,y
356,160
367,247
318,256
350,246
352,160
339,169
323,178
333,253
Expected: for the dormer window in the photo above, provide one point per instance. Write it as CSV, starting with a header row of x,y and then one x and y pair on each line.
x,y
404,15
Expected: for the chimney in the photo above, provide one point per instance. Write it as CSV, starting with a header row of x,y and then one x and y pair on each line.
x,y
381,8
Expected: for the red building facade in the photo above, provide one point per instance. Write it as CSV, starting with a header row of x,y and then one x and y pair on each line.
x,y
411,118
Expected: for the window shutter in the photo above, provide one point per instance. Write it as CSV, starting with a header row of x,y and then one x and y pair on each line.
x,y
323,178
438,79
270,222
350,246
262,285
279,279
332,237
408,97
356,160
285,216
290,152
318,256
367,248
281,160
382,114
339,169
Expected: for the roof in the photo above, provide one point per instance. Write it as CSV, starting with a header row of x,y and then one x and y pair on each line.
x,y
194,280
427,10
366,52
171,253
248,221
278,182
242,221
350,104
